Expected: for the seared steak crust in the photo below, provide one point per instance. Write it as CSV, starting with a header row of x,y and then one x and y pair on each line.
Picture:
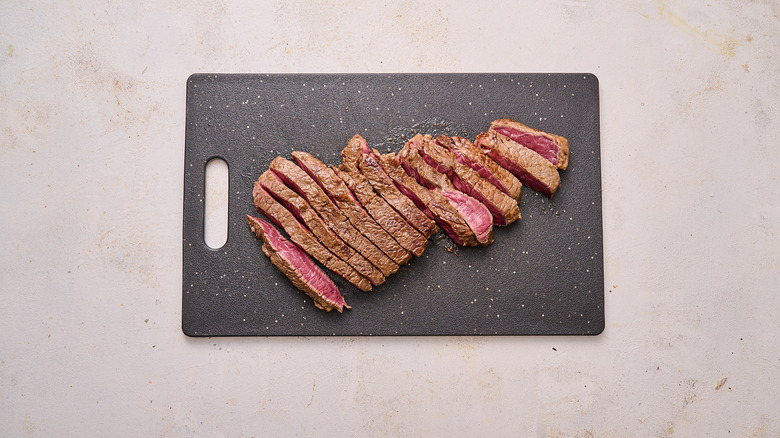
x,y
339,193
553,148
467,153
354,159
302,237
297,266
416,166
503,208
385,188
383,213
529,167
298,180
431,201
306,214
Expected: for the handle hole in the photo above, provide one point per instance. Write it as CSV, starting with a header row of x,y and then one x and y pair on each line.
x,y
215,219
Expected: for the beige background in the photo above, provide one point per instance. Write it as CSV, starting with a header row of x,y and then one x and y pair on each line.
x,y
91,154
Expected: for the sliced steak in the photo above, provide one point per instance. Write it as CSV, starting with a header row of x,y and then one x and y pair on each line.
x,y
298,180
297,266
553,148
412,161
438,206
467,153
529,167
350,155
339,193
302,237
306,214
383,213
503,208
383,185
474,212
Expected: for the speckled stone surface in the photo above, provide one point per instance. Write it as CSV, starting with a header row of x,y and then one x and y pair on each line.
x,y
92,151
543,275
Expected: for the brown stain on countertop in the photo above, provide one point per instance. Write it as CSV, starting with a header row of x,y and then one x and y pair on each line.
x,y
137,100
725,45
714,85
28,426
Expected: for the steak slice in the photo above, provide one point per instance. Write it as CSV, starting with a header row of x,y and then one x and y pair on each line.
x,y
553,148
306,214
503,208
357,154
529,167
302,237
384,187
383,213
436,205
350,155
466,153
297,266
339,193
412,161
298,180
474,212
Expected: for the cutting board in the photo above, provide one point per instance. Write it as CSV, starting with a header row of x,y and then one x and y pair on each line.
x,y
543,275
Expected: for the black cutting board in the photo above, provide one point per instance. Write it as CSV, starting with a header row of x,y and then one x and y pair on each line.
x,y
543,275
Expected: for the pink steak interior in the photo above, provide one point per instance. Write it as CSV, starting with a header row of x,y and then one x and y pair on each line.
x,y
476,214
483,171
302,263
539,143
521,174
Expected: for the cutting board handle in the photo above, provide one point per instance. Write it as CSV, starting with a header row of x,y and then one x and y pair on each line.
x,y
216,184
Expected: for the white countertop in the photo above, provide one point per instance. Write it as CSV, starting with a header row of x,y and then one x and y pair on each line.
x,y
91,153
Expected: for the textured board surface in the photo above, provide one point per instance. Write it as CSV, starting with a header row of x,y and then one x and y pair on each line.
x,y
543,275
